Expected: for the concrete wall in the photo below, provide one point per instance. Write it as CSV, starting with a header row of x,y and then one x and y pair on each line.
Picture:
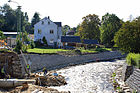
x,y
58,61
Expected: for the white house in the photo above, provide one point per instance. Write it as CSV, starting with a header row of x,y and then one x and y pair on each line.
x,y
50,30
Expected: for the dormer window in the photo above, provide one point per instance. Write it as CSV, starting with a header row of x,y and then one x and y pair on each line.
x,y
42,22
51,31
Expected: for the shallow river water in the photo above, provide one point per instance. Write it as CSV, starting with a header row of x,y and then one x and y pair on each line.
x,y
89,78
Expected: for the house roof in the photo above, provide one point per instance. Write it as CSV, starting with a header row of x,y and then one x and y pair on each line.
x,y
10,33
86,41
72,39
71,33
58,24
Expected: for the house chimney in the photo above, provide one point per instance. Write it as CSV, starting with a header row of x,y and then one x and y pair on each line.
x,y
48,17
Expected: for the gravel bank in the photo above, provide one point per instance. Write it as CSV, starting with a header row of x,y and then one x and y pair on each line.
x,y
89,78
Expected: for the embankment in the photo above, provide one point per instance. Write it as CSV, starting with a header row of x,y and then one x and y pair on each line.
x,y
37,61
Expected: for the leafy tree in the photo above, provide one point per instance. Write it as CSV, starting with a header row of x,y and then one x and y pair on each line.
x,y
2,21
26,26
9,18
89,28
35,19
29,28
2,35
65,29
110,25
128,37
25,37
18,46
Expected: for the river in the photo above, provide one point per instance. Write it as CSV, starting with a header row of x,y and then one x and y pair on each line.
x,y
89,78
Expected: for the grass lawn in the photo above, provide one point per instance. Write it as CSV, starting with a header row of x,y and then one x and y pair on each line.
x,y
88,51
49,51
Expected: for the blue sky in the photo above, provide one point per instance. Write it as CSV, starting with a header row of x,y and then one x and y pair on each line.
x,y
70,12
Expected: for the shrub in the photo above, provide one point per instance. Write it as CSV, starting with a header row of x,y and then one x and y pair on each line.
x,y
38,43
18,46
133,59
76,51
32,44
24,48
44,41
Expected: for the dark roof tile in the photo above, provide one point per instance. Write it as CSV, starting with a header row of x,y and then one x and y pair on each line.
x,y
59,24
86,41
72,39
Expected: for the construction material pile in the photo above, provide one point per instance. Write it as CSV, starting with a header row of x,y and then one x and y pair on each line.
x,y
51,79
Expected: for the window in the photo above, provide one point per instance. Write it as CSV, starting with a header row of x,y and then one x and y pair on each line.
x,y
51,31
42,22
39,31
51,40
48,23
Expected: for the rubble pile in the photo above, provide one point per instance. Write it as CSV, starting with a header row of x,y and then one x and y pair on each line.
x,y
35,89
51,80
11,62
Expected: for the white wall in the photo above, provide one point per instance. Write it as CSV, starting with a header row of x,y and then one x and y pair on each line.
x,y
45,31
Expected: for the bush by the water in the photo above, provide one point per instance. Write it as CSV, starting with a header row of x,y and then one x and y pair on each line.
x,y
133,59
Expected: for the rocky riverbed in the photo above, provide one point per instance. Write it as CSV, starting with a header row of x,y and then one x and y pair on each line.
x,y
89,78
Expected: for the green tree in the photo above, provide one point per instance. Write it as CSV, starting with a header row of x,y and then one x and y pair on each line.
x,y
2,35
2,21
35,19
109,26
128,37
65,29
25,37
9,17
89,28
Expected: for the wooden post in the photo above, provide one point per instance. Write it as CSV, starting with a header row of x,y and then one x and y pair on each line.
x,y
63,44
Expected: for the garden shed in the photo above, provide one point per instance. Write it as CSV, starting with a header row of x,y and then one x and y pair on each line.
x,y
70,41
90,42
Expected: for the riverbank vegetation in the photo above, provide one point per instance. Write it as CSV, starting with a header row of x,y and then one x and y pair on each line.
x,y
133,59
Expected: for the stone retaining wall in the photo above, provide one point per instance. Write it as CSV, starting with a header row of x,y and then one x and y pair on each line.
x,y
58,61
134,80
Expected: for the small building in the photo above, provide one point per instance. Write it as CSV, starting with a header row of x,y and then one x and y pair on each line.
x,y
70,41
11,38
50,30
90,42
